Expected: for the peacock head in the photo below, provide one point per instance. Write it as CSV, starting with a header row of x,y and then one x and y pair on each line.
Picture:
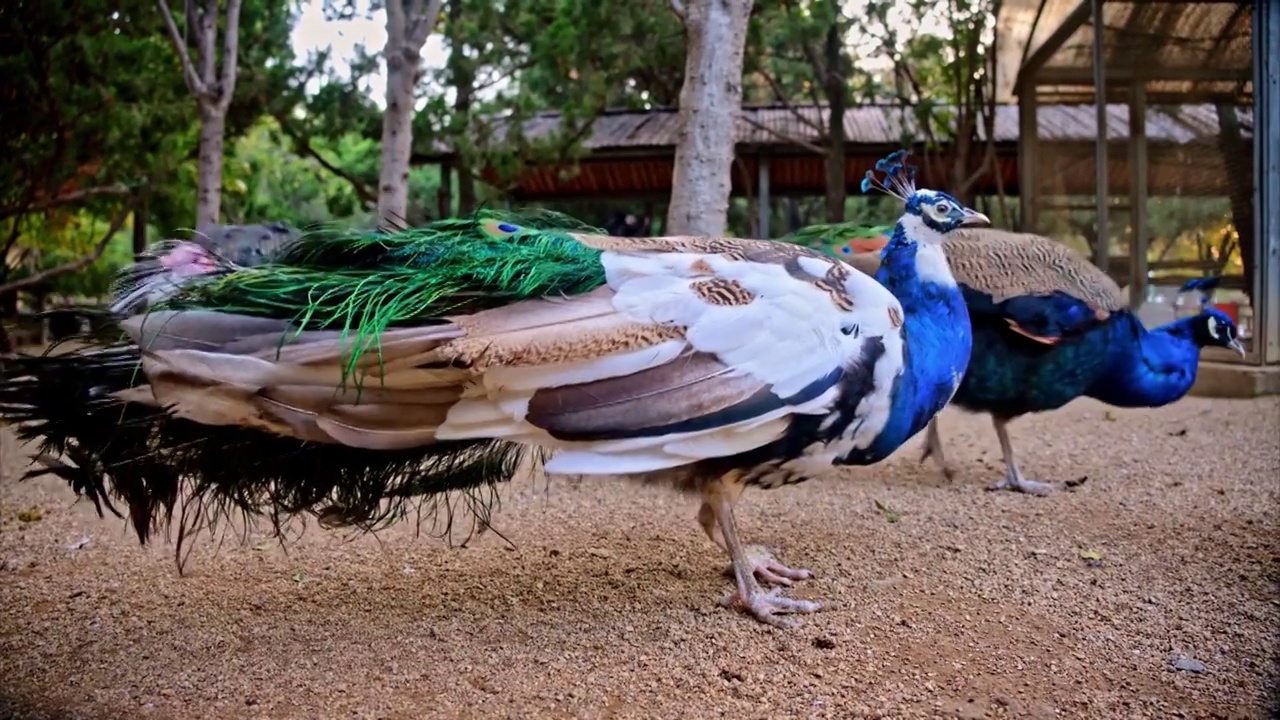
x,y
929,214
1214,328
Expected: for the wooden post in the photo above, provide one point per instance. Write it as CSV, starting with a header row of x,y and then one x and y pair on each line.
x,y
1028,157
1102,246
1138,194
763,204
1266,236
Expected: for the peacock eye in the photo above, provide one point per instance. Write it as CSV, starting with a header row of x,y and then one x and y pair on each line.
x,y
942,208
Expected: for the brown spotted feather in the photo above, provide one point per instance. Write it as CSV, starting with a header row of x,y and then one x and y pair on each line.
x,y
1006,264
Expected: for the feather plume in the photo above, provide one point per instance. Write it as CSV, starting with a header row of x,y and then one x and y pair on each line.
x,y
899,177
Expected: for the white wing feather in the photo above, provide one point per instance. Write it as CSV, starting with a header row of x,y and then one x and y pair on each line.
x,y
788,336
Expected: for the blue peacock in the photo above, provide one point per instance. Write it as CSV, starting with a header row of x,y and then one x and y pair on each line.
x,y
1048,327
359,372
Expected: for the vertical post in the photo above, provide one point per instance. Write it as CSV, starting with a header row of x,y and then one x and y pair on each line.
x,y
1266,170
1138,192
1028,157
1102,248
764,205
140,225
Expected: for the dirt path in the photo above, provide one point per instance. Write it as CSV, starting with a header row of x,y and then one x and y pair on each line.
x,y
970,604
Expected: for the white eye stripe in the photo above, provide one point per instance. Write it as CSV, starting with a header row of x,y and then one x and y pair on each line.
x,y
1214,326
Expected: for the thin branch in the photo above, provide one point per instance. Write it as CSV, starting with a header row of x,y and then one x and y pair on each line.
x,y
303,145
677,7
782,98
397,26
783,136
69,267
424,21
208,43
63,199
14,233
230,54
194,83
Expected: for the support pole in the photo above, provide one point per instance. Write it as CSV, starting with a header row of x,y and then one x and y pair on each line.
x,y
1266,170
1101,248
1028,158
1138,194
764,205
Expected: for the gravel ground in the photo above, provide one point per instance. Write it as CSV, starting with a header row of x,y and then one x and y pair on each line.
x,y
952,601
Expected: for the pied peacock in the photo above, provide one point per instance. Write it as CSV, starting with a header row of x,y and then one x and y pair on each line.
x,y
360,368
1048,327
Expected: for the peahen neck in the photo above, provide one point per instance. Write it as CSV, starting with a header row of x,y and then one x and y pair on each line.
x,y
1149,368
938,335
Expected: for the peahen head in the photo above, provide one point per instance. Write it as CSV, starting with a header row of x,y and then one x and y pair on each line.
x,y
1214,328
929,214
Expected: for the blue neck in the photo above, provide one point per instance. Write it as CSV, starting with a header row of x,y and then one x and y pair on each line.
x,y
939,340
1150,368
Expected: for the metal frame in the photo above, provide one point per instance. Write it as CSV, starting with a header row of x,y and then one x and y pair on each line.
x,y
1266,185
1128,85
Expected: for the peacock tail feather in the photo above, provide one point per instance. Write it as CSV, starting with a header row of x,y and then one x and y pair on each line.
x,y
841,239
364,282
356,281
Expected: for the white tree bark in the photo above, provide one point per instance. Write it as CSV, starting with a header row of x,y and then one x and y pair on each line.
x,y
213,92
408,25
710,103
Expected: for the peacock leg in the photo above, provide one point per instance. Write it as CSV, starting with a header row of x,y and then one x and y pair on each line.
x,y
749,597
1013,479
764,565
933,448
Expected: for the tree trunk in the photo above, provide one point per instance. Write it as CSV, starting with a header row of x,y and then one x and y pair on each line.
x,y
1237,160
463,74
397,134
213,128
213,91
406,32
710,102
140,221
444,195
835,91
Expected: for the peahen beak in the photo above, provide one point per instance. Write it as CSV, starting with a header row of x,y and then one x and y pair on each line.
x,y
1235,345
973,218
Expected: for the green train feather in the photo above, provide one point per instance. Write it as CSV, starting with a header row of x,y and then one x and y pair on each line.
x,y
364,282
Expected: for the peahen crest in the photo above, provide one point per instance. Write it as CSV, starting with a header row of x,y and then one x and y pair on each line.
x,y
899,177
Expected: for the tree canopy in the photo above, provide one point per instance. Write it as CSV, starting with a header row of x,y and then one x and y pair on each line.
x,y
109,130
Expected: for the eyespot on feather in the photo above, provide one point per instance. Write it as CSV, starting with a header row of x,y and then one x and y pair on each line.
x,y
499,229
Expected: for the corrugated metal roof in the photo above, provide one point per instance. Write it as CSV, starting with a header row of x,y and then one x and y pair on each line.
x,y
879,126
1197,51
1167,35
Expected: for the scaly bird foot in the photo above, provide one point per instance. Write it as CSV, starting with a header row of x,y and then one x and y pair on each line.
x,y
767,569
933,449
1013,480
947,471
768,606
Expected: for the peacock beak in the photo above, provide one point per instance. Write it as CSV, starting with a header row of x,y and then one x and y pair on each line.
x,y
1235,345
973,218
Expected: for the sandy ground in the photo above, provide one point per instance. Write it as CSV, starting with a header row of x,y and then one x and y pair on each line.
x,y
951,601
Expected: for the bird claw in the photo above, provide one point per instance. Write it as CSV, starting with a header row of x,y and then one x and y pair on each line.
x,y
768,606
1015,482
768,570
